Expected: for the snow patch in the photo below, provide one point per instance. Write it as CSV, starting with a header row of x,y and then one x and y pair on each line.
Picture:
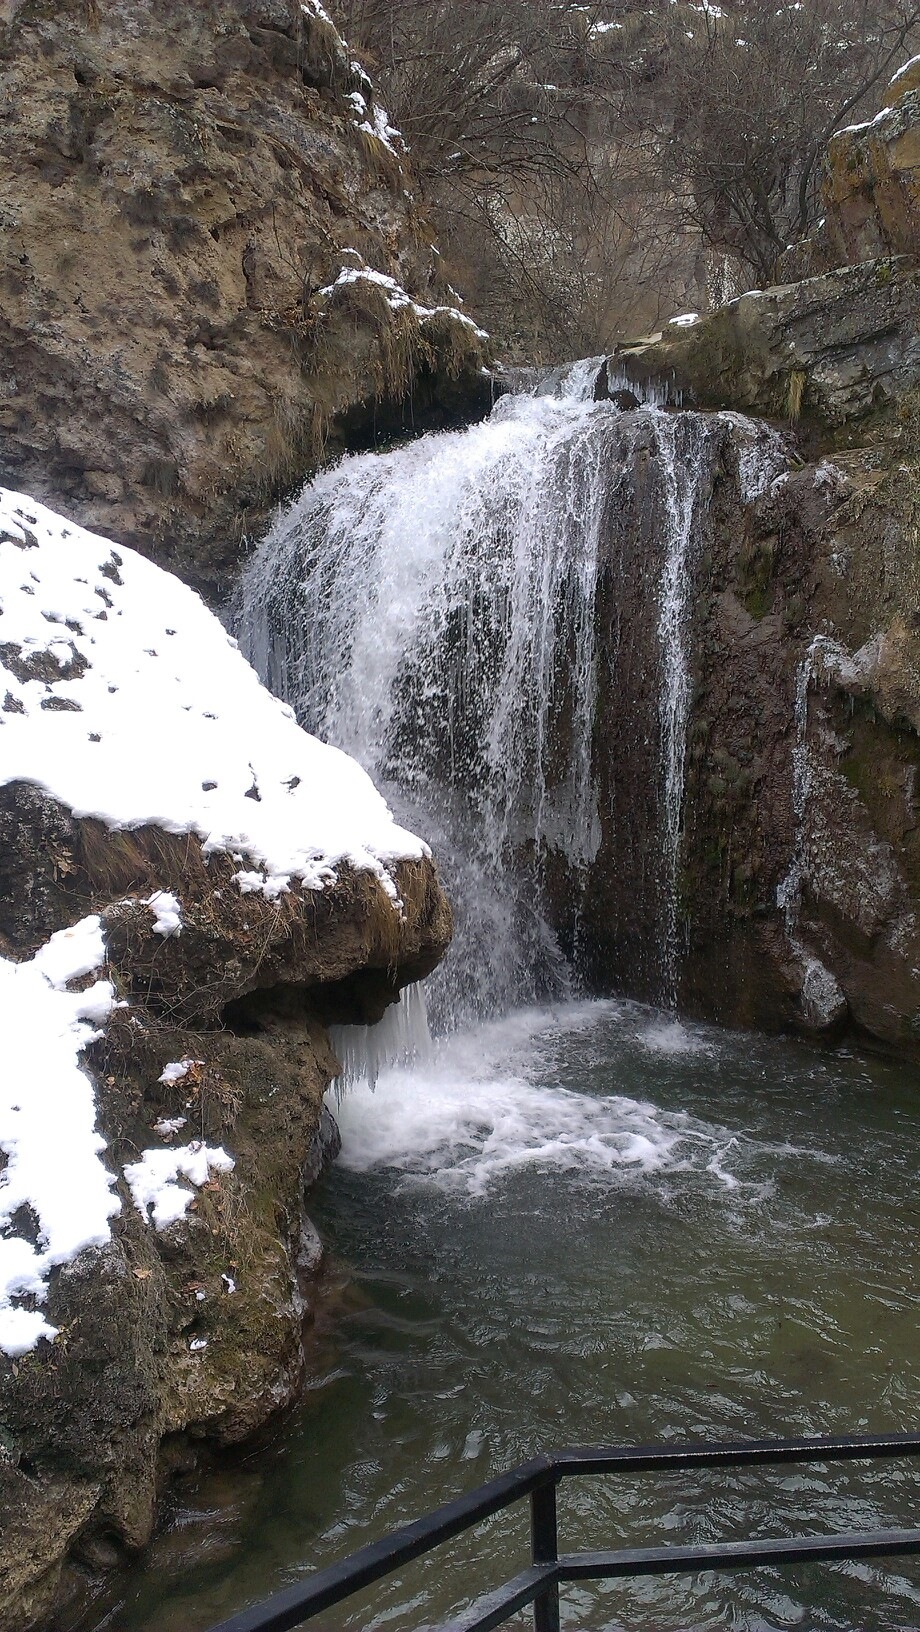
x,y
903,71
176,1070
168,1126
153,1181
397,297
128,701
167,911
54,1173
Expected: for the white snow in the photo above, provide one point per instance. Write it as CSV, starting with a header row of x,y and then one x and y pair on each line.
x,y
867,124
397,297
686,320
376,122
313,7
167,911
153,716
176,1070
48,1124
72,953
154,1179
123,697
903,71
169,1125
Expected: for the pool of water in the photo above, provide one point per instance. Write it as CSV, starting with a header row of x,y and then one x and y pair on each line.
x,y
580,1225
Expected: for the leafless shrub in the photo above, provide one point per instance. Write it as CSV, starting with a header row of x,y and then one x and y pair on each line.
x,y
592,166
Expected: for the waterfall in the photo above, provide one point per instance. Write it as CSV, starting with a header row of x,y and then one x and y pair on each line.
x,y
400,1038
465,615
681,481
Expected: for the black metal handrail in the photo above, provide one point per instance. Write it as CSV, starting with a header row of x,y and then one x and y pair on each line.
x,y
539,1583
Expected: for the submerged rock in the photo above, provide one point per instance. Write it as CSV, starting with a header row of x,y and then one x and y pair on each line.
x,y
188,917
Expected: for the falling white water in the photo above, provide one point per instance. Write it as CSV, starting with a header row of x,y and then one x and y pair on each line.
x,y
681,494
821,997
434,611
488,1106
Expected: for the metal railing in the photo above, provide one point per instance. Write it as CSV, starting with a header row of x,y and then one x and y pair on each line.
x,y
539,1584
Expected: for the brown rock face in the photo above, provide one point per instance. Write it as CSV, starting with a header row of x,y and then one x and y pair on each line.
x,y
179,184
796,889
801,866
194,1333
823,353
872,181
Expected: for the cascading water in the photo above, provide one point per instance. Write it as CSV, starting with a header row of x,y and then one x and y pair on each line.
x,y
583,1220
458,614
680,493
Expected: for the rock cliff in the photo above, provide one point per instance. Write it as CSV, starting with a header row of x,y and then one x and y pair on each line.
x,y
800,867
182,187
191,889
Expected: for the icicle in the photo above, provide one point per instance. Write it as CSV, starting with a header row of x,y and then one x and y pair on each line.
x,y
402,1037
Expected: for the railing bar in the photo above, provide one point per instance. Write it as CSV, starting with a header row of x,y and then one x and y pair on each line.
x,y
495,1607
544,1549
656,1458
290,1608
733,1555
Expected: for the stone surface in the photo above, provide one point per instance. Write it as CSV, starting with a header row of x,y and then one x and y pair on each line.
x,y
93,1421
800,858
871,184
833,349
823,808
798,878
179,184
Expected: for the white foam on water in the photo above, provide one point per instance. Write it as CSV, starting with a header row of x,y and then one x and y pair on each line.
x,y
667,1036
487,1106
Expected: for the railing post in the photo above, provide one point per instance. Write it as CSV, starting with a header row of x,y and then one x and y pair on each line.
x,y
544,1549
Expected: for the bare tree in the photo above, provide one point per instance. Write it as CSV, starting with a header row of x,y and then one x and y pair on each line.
x,y
586,163
750,94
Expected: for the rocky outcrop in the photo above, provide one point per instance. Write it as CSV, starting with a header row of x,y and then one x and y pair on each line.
x,y
182,187
836,348
799,866
193,1335
837,340
239,887
871,182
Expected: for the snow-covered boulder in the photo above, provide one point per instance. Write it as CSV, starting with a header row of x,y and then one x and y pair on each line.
x,y
190,888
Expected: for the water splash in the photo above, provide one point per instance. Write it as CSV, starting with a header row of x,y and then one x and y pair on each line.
x,y
488,1107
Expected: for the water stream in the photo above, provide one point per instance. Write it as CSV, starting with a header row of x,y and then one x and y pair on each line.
x,y
578,1224
466,616
565,1220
